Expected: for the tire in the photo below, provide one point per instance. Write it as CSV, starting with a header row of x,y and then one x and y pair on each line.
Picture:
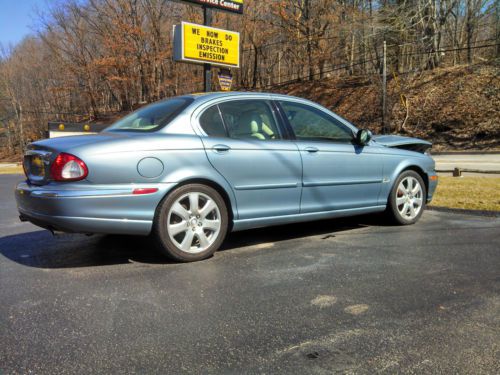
x,y
187,231
403,197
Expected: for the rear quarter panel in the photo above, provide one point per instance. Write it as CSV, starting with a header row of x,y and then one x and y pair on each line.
x,y
182,156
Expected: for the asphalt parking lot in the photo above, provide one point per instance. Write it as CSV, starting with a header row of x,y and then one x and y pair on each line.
x,y
339,296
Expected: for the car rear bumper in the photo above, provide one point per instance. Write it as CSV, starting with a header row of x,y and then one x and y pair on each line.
x,y
92,209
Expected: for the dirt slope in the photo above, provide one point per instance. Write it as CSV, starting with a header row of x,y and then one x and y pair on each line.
x,y
456,108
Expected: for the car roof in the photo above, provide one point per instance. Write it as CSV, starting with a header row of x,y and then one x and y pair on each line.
x,y
207,96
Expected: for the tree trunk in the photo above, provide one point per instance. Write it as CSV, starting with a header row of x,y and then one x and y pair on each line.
x,y
255,67
470,30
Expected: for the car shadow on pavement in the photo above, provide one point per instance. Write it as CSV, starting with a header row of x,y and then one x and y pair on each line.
x,y
42,250
298,230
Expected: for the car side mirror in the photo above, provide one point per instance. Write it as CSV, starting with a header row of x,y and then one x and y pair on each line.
x,y
363,137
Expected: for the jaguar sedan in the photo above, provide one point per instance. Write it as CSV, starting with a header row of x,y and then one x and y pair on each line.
x,y
190,169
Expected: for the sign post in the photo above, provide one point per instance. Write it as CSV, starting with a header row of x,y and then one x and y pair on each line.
x,y
207,21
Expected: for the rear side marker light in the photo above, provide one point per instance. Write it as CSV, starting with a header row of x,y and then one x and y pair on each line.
x,y
144,191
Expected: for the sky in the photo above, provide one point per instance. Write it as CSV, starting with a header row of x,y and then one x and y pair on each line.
x,y
16,18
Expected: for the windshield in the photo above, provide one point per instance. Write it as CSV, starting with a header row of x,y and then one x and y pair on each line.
x,y
152,117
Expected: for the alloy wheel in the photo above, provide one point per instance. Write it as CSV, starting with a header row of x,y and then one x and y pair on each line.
x,y
194,222
409,198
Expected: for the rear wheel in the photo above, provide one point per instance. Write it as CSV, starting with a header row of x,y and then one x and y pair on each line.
x,y
407,199
191,223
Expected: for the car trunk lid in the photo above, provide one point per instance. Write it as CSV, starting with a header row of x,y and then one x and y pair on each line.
x,y
40,155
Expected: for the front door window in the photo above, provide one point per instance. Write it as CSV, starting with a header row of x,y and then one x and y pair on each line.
x,y
309,123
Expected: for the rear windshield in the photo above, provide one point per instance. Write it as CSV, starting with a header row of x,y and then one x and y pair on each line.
x,y
152,117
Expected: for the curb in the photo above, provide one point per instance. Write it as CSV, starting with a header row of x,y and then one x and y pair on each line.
x,y
476,152
459,171
464,211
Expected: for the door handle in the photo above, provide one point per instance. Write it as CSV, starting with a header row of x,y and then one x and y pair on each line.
x,y
311,149
221,148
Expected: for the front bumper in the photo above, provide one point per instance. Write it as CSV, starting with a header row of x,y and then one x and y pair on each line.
x,y
75,208
432,182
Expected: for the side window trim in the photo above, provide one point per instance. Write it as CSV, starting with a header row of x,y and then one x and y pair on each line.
x,y
283,124
287,127
334,120
223,121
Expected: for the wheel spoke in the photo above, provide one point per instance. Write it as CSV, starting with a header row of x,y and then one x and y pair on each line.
x,y
412,210
418,202
410,184
187,242
212,225
175,229
404,210
202,238
402,188
180,211
207,208
194,202
416,189
400,201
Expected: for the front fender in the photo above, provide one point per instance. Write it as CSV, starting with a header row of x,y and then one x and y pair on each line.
x,y
395,165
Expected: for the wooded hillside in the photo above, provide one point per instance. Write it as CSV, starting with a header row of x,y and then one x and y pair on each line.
x,y
95,57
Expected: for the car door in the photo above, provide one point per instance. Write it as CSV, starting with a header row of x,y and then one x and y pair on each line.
x,y
337,173
244,142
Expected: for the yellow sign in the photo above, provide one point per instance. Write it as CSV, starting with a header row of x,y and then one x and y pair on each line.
x,y
203,44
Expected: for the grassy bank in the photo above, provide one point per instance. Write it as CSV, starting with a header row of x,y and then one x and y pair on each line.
x,y
472,193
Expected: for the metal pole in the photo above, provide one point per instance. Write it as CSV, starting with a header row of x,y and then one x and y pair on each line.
x,y
384,90
207,68
279,67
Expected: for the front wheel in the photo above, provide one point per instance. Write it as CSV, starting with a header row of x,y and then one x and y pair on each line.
x,y
191,223
407,199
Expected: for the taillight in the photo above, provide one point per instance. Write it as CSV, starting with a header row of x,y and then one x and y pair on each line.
x,y
67,167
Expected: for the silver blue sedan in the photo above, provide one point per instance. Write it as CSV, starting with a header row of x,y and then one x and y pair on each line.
x,y
188,170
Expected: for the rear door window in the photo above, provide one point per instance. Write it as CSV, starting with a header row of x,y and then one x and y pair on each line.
x,y
250,119
211,122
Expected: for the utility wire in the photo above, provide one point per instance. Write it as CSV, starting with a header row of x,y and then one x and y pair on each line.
x,y
306,39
